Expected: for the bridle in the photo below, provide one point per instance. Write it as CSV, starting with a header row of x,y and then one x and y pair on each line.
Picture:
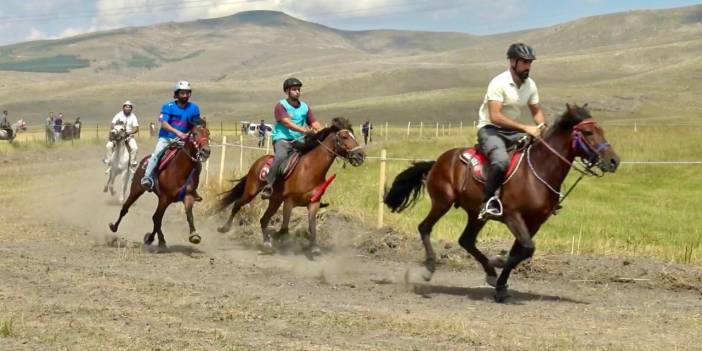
x,y
579,144
198,143
338,145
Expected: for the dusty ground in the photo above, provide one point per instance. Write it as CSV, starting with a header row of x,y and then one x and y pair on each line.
x,y
66,284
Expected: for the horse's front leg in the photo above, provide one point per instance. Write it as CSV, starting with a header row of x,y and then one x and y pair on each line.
x,y
110,179
188,202
312,209
287,212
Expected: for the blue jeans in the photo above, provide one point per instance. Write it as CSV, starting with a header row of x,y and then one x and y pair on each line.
x,y
161,146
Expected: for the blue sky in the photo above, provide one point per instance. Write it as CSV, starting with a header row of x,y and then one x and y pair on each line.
x,y
22,20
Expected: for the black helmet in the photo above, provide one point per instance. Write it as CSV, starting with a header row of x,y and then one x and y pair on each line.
x,y
291,82
521,51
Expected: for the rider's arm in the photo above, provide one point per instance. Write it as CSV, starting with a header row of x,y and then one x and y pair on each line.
x,y
499,119
538,114
136,130
288,123
312,121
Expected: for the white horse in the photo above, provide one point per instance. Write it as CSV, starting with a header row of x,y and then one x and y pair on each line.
x,y
11,134
119,163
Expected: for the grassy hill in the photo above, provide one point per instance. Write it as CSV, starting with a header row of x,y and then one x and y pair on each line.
x,y
636,64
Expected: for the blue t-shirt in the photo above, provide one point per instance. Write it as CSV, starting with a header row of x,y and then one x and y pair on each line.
x,y
179,118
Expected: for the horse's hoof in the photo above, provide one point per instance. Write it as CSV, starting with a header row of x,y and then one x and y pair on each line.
x,y
315,251
104,190
491,280
148,239
426,274
267,247
501,294
223,229
113,227
195,238
497,261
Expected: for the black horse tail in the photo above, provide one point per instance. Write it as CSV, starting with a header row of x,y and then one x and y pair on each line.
x,y
407,186
233,195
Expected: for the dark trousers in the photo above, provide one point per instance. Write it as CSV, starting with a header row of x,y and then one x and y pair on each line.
x,y
494,142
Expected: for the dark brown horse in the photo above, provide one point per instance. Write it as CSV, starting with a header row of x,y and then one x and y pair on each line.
x,y
176,182
302,187
529,199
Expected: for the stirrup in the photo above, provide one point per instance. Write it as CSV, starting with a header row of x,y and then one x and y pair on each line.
x,y
147,183
267,192
488,211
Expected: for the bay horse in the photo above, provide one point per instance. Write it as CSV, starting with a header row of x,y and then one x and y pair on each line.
x,y
177,181
303,187
529,197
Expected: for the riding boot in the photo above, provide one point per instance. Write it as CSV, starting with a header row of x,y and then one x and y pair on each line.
x,y
491,205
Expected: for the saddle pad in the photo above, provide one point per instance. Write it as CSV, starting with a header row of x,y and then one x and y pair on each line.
x,y
166,157
289,166
476,162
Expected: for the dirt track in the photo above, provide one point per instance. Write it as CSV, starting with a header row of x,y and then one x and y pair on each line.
x,y
66,284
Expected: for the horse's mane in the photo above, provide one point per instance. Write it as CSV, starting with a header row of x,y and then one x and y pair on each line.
x,y
312,141
573,115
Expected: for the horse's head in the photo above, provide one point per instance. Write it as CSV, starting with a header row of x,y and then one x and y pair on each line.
x,y
118,132
21,125
587,138
200,138
346,144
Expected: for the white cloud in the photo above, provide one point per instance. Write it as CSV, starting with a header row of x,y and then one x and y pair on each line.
x,y
35,34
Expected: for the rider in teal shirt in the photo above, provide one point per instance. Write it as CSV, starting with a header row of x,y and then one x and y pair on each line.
x,y
294,119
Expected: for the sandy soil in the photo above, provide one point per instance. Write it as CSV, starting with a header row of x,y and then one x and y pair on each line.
x,y
67,284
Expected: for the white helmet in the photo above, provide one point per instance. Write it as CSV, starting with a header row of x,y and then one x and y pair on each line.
x,y
128,103
182,85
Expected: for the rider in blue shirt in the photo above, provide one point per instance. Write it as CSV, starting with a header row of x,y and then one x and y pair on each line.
x,y
177,119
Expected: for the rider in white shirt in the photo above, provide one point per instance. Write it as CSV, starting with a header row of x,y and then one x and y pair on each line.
x,y
127,118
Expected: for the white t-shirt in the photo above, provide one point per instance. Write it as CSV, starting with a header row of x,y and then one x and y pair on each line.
x,y
502,88
130,122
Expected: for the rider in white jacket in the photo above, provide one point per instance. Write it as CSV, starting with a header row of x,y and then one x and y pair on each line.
x,y
129,120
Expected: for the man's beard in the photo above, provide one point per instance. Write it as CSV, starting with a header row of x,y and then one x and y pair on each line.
x,y
524,75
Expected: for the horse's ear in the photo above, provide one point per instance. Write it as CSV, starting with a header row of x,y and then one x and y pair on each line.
x,y
586,104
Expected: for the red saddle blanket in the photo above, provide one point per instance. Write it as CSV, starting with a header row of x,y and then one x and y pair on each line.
x,y
476,162
166,158
289,166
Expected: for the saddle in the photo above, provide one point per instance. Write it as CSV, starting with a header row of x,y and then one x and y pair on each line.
x,y
476,160
290,164
167,156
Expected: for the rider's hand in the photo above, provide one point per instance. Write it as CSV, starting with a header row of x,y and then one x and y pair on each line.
x,y
181,135
534,131
309,131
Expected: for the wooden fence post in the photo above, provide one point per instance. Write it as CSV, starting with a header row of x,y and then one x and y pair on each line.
x,y
221,161
437,129
381,187
207,173
241,154
409,124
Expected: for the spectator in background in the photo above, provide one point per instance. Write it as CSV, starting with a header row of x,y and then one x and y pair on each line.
x,y
58,125
262,129
366,130
49,127
4,122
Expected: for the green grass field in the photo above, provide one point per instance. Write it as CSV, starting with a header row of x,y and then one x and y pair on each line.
x,y
642,210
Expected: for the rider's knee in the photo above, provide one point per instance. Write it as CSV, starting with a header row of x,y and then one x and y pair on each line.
x,y
499,164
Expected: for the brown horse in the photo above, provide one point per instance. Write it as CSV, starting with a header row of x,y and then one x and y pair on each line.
x,y
176,182
303,186
529,199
